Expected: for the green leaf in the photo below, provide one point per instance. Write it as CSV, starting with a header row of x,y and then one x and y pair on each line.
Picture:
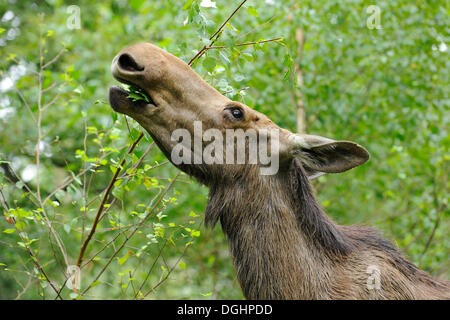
x,y
118,192
59,195
114,116
209,64
95,283
195,233
136,4
207,294
252,11
9,231
193,214
11,56
20,243
124,258
67,228
136,94
187,5
20,225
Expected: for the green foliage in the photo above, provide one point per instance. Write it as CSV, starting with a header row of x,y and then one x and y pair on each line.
x,y
136,93
385,88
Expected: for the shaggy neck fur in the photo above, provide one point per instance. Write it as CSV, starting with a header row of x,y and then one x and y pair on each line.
x,y
285,247
268,227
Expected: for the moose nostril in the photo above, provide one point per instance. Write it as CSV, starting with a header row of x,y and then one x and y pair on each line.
x,y
127,62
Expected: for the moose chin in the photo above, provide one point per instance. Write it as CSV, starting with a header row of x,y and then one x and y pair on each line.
x,y
282,244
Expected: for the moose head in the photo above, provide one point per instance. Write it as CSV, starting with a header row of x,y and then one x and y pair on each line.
x,y
179,99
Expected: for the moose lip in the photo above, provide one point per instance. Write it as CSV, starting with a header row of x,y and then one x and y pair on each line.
x,y
137,102
119,101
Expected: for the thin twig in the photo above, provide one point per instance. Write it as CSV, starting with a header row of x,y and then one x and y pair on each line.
x,y
213,38
25,288
25,103
439,209
169,272
203,50
50,87
105,197
251,43
151,269
239,90
68,182
38,145
55,58
138,226
106,245
34,258
52,101
228,19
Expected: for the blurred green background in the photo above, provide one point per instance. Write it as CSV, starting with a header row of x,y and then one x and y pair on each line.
x,y
381,80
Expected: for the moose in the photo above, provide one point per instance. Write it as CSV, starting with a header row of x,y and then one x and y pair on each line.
x,y
282,243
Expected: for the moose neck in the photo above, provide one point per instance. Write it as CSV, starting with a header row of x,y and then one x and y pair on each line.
x,y
278,234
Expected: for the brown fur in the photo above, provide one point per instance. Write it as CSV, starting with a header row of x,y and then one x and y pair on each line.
x,y
282,244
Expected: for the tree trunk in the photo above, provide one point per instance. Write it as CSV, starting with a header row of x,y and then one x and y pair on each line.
x,y
300,105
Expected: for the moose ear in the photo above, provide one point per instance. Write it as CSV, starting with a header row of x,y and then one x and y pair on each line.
x,y
320,155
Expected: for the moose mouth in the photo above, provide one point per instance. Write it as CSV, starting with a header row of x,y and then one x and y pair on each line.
x,y
132,98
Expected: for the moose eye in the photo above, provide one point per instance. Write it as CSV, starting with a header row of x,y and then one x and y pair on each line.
x,y
237,113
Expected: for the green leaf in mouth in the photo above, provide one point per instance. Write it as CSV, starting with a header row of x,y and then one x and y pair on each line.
x,y
135,93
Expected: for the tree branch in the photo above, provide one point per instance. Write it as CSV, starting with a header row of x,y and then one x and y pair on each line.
x,y
105,197
215,35
138,226
246,43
